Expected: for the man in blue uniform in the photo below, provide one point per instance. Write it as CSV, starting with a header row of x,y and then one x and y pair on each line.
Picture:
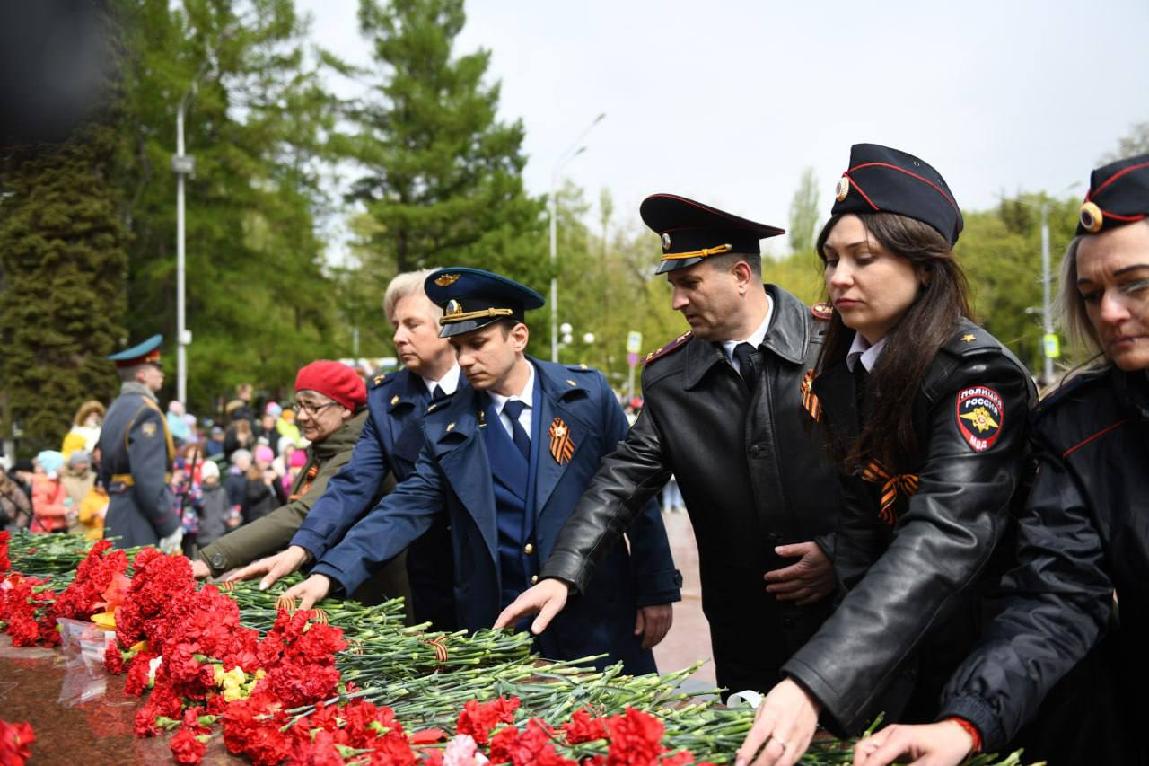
x,y
388,446
136,454
505,461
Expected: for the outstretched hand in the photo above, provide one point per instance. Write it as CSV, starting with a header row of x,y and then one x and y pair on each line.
x,y
782,730
546,600
309,592
936,744
272,568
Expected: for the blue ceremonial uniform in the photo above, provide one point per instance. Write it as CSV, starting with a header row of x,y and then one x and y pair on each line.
x,y
470,473
135,465
390,442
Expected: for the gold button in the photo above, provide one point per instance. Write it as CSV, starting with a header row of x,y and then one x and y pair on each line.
x,y
528,549
534,579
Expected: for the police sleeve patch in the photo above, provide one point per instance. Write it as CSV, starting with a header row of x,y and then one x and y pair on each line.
x,y
980,416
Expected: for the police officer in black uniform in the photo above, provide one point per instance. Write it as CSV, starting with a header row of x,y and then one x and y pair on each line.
x,y
729,412
136,454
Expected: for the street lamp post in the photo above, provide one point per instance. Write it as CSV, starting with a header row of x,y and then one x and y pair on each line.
x,y
575,150
183,165
1046,312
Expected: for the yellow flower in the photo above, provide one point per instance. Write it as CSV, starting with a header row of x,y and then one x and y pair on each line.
x,y
106,620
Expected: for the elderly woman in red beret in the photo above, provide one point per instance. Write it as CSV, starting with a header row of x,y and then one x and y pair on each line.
x,y
330,409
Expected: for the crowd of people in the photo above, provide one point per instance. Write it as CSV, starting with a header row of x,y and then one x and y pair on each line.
x,y
888,519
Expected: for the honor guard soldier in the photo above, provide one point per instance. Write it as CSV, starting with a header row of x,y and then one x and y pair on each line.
x,y
505,461
136,454
728,412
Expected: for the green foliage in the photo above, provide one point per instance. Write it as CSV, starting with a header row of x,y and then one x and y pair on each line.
x,y
1136,141
258,303
62,262
804,213
442,181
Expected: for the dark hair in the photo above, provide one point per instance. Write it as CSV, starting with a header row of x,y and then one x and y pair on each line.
x,y
727,260
931,320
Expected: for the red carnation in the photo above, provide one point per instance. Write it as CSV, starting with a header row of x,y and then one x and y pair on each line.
x,y
583,727
635,739
478,718
15,743
187,747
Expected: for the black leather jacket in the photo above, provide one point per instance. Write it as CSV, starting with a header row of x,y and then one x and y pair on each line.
x,y
912,574
753,476
1084,533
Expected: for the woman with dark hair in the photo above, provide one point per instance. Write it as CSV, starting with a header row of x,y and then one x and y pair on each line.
x,y
925,414
1083,540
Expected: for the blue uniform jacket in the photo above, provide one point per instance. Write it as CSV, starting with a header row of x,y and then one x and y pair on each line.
x,y
453,477
390,443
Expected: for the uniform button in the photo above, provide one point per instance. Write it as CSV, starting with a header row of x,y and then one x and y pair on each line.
x,y
534,579
528,549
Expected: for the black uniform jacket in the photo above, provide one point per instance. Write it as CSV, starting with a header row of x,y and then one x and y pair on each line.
x,y
752,473
911,570
1083,535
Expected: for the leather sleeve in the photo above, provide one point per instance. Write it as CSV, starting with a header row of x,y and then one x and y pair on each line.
x,y
148,457
940,544
656,580
1058,603
349,494
616,496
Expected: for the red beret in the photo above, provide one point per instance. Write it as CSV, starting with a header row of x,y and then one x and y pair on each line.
x,y
334,380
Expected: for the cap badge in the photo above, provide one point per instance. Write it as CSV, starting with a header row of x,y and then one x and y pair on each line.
x,y
561,448
454,308
446,280
843,189
1091,217
665,242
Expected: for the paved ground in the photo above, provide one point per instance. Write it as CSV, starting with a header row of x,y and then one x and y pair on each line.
x,y
689,637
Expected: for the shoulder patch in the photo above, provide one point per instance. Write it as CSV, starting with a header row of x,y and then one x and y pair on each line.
x,y
669,348
379,380
821,311
979,412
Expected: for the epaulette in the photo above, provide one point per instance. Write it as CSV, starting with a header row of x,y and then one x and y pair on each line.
x,y
669,348
971,339
821,311
379,380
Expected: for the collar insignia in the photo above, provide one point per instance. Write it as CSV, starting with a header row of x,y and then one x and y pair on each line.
x,y
446,280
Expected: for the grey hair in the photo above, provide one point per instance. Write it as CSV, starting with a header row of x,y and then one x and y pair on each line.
x,y
404,285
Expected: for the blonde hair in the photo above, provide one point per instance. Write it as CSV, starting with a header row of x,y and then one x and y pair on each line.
x,y
88,408
404,285
1073,317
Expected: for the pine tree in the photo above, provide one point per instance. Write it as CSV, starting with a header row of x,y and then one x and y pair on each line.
x,y
62,250
443,177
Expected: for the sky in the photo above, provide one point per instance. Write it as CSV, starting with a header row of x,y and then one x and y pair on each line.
x,y
728,101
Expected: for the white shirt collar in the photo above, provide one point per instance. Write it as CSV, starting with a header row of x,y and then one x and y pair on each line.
x,y
756,337
449,382
861,349
526,396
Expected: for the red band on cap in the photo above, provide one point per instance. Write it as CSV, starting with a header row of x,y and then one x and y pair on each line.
x,y
911,174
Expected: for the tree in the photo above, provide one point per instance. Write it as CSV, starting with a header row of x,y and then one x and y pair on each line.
x,y
804,213
1136,141
442,176
62,263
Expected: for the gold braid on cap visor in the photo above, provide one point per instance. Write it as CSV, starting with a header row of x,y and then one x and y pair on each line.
x,y
463,316
717,250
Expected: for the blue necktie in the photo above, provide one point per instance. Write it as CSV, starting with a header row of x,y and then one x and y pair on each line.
x,y
438,395
513,408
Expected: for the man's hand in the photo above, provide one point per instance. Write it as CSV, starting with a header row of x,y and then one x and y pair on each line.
x,y
783,727
809,579
273,567
546,599
200,570
311,590
653,623
936,744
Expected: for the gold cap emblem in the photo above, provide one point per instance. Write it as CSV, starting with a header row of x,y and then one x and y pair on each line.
x,y
1092,218
446,280
843,189
454,308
